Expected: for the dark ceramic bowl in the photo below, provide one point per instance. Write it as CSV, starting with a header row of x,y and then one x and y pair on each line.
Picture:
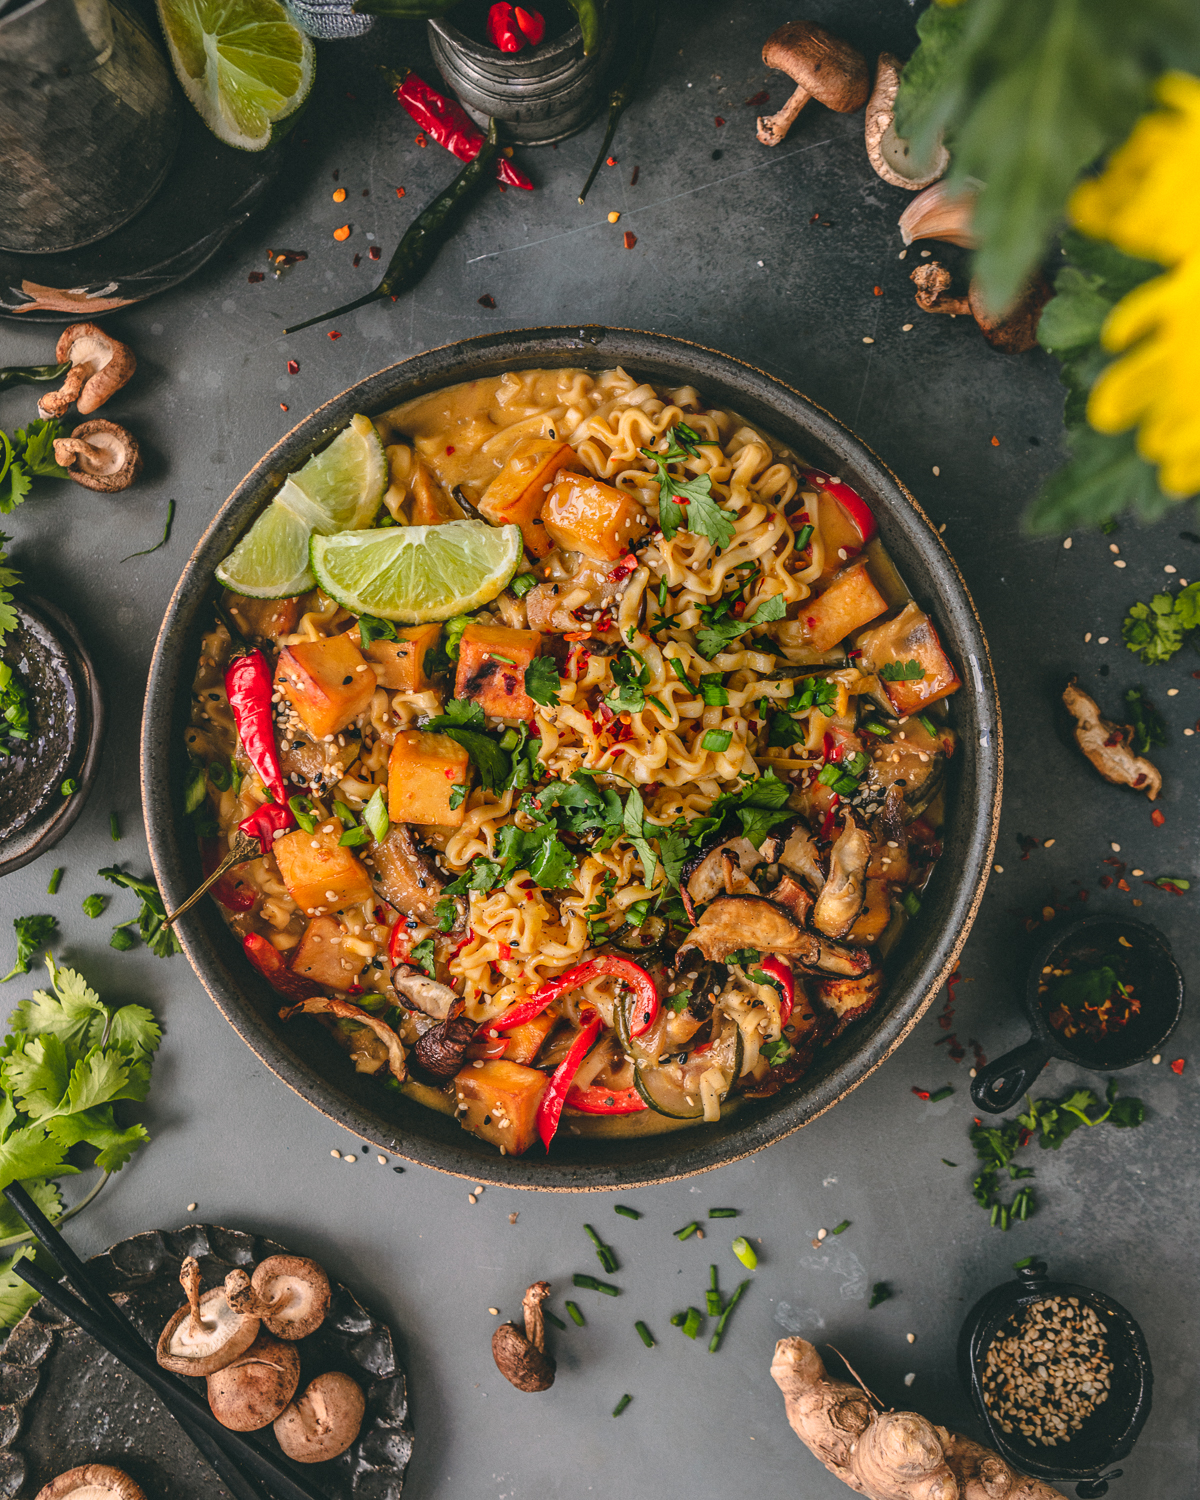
x,y
1112,1429
305,1058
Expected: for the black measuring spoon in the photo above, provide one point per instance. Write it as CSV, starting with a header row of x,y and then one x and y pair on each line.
x,y
1150,971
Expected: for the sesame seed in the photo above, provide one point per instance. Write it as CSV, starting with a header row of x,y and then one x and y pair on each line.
x,y
906,328
336,1152
822,1233
911,1337
1172,692
471,1198
1049,844
999,869
1120,563
1156,1059
1137,872
1116,848
1066,544
478,1190
495,1311
382,1160
901,256
1170,569
1112,547
349,1157
1087,637
936,470
191,1208
1189,731
868,341
910,1377
1104,640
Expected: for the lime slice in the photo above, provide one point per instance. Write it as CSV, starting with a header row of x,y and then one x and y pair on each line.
x,y
242,63
346,481
417,573
271,560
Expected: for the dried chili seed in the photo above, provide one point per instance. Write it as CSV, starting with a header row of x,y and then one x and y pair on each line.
x,y
1158,817
342,233
630,239
293,367
282,407
373,252
339,195
256,276
487,300
879,291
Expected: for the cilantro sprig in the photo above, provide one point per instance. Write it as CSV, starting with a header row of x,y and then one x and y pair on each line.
x,y
32,933
151,919
710,639
1154,632
687,504
9,580
26,456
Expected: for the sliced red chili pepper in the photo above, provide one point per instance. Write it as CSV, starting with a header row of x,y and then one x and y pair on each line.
x,y
450,126
400,942
532,24
827,825
1178,1065
778,970
273,967
1158,817
597,1101
642,1012
551,1108
921,1093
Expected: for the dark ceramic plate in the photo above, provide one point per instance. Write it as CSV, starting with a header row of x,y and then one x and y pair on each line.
x,y
305,1058
64,1401
66,728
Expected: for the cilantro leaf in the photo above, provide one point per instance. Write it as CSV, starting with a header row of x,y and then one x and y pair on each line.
x,y
151,920
9,580
1149,726
461,713
422,955
446,912
634,824
370,629
901,671
688,505
631,680
483,876
713,638
34,446
542,680
493,764
32,933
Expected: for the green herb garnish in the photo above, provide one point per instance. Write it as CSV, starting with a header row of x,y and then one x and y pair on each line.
x,y
159,938
542,680
901,671
32,933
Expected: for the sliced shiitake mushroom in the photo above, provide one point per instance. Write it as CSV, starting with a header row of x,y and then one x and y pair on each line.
x,y
441,1048
417,992
709,873
92,1482
208,1333
734,922
252,1391
406,875
288,1292
324,1421
849,998
797,852
845,889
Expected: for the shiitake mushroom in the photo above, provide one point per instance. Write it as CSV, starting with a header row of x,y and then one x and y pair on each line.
x,y
256,1387
521,1357
324,1421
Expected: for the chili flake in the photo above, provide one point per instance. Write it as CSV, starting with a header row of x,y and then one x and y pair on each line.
x,y
342,233
282,407
356,262
256,276
449,449
1178,1065
421,139
400,192
630,239
610,161
293,367
487,300
718,122
373,253
334,334
339,195
995,442
879,291
1158,817
921,1093
756,101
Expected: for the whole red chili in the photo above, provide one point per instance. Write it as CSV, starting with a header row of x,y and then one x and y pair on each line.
x,y
642,1012
502,28
532,23
449,124
248,685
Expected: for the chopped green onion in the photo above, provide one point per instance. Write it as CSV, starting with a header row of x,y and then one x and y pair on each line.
x,y
1019,1265
691,1323
715,1341
677,1319
93,905
622,1404
802,537
910,903
114,828
354,836
722,1213
946,1162
375,816
509,740
589,1283
927,724
522,583
717,740
574,1314
69,787
678,668
302,811
744,1251
55,882
942,1093
552,1318
838,1228
880,1292
628,1213
713,1295
644,1334
687,1231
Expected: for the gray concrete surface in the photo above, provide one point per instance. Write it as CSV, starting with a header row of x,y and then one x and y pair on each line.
x,y
730,252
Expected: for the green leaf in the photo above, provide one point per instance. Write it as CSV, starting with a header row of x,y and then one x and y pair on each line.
x,y
32,1151
446,912
553,865
34,445
38,1076
375,816
15,489
633,822
1104,476
47,1197
32,933
135,1031
901,671
1149,726
370,629
99,1078
712,691
97,1127
16,1296
542,680
713,638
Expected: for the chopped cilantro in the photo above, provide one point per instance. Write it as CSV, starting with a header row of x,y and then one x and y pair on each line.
x,y
160,939
422,955
14,709
32,933
631,677
446,913
458,795
688,505
1155,631
94,905
1149,726
778,1051
901,671
29,454
711,639
9,580
370,629
483,876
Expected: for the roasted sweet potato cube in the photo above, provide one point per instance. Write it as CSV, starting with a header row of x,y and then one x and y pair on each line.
x,y
319,955
400,664
585,515
910,637
320,875
525,1042
875,915
328,683
849,602
501,1101
491,669
423,771
267,618
517,494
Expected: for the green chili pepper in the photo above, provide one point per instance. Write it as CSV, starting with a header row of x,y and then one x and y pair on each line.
x,y
587,13
425,236
622,96
31,374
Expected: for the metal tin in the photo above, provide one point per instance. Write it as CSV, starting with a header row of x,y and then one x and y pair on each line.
x,y
918,967
540,94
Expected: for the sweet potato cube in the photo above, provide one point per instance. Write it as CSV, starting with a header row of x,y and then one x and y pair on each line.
x,y
319,955
501,1102
517,494
328,683
525,1042
584,515
491,669
267,618
423,771
400,664
431,506
849,602
324,878
911,637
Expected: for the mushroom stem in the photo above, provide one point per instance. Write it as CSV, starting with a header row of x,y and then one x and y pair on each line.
x,y
535,1320
56,403
773,128
189,1280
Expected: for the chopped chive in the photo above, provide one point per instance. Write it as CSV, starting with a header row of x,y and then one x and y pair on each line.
x,y
114,828
644,1334
947,1163
552,1318
838,1228
574,1313
628,1213
910,902
691,1323
722,1213
589,1283
604,1253
677,1319
687,1231
942,1093
802,537
715,1341
995,1213
622,1404
744,1251
927,724
880,1292
55,881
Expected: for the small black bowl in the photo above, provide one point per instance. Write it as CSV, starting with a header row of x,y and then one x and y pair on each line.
x,y
1159,987
1111,1431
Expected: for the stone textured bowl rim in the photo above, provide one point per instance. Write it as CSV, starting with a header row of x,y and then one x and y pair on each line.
x,y
934,939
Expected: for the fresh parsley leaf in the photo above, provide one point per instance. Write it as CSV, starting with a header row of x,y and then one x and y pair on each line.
x,y
122,939
688,505
901,671
446,912
577,806
712,691
678,1002
631,680
34,446
542,680
32,933
633,822
160,939
458,795
483,876
553,865
371,629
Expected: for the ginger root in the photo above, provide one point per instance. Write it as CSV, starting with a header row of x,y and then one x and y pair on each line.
x,y
893,1455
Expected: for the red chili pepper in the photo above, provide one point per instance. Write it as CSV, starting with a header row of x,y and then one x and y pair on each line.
x,y
400,943
450,125
921,1093
502,28
233,894
272,965
532,23
827,825
778,970
551,1108
597,1101
645,1006
249,686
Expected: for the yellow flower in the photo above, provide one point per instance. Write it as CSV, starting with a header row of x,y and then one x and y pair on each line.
x,y
1146,203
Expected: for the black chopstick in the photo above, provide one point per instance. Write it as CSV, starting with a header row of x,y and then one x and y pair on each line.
x,y
98,1316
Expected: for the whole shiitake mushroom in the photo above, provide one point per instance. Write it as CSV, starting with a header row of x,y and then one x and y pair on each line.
x,y
92,1482
288,1292
521,1357
252,1391
208,1333
324,1421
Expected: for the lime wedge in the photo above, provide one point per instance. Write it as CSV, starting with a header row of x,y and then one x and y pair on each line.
x,y
242,63
417,573
337,489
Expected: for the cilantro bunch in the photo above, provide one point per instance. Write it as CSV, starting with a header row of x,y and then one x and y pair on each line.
x,y
67,1062
1154,632
25,456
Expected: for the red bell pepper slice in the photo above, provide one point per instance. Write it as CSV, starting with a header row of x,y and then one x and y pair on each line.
x,y
779,971
273,967
642,1012
597,1101
551,1108
856,508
